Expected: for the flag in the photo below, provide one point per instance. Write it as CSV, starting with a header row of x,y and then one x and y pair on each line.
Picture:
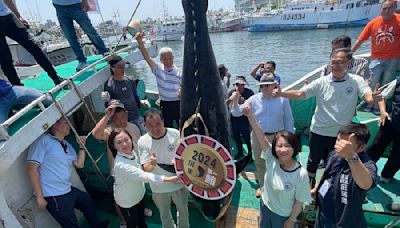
x,y
93,6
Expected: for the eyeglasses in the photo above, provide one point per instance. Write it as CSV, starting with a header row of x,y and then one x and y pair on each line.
x,y
337,62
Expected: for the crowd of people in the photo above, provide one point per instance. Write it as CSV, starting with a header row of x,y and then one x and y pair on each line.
x,y
141,149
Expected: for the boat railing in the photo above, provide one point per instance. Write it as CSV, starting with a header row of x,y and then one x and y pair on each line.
x,y
39,101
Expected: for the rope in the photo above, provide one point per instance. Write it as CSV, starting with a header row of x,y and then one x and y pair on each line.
x,y
81,144
73,85
124,32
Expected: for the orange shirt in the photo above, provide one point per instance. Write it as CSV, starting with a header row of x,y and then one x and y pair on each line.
x,y
385,37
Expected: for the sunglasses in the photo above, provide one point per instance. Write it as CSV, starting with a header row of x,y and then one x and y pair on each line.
x,y
275,86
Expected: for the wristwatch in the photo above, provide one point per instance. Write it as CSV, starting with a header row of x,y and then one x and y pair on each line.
x,y
353,159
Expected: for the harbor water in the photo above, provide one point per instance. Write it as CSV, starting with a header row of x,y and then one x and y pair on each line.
x,y
295,53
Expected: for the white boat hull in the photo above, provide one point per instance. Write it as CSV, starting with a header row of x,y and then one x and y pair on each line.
x,y
310,18
18,206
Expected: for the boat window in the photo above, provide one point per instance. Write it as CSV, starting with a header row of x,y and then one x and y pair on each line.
x,y
361,3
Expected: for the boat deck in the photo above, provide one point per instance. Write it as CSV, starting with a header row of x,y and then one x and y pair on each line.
x,y
243,211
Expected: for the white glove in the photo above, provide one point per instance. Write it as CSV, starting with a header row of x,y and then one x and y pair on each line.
x,y
105,96
145,103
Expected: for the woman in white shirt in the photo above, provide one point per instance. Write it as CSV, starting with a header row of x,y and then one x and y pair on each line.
x,y
286,185
129,177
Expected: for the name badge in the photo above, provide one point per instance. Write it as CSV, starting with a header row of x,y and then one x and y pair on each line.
x,y
324,188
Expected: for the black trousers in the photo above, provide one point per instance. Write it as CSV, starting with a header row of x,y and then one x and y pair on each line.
x,y
170,111
241,129
134,216
62,209
10,27
320,146
387,134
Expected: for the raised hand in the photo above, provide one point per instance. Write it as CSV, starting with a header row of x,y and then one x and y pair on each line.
x,y
110,112
346,148
139,36
247,110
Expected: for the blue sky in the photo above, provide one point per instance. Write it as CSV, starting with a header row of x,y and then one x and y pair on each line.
x,y
42,10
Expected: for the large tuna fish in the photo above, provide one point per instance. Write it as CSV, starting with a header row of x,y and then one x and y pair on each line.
x,y
202,93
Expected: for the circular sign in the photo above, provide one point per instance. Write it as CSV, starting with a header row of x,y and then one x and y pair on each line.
x,y
205,167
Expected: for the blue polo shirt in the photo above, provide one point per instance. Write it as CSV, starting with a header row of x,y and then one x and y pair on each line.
x,y
66,2
4,10
54,164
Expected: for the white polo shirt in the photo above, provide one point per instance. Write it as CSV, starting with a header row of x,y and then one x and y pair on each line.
x,y
164,149
336,102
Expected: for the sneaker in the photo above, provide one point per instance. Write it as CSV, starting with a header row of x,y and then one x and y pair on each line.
x,y
376,111
368,108
393,207
81,65
148,212
58,80
321,164
385,180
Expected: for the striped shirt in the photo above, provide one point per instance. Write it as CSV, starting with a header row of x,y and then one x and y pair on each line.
x,y
358,66
168,82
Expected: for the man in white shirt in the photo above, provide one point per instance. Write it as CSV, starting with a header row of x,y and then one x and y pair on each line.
x,y
337,96
162,142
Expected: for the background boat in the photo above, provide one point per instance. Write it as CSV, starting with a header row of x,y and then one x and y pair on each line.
x,y
306,15
168,30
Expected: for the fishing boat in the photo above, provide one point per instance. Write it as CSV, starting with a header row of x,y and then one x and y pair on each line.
x,y
168,30
17,203
18,206
312,15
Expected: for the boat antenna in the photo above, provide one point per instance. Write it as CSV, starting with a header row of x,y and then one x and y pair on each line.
x,y
125,30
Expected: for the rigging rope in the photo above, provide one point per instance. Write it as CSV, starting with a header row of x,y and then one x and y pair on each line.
x,y
124,32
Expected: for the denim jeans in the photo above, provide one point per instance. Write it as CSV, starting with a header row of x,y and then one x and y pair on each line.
x,y
13,29
382,71
269,219
18,97
66,16
139,122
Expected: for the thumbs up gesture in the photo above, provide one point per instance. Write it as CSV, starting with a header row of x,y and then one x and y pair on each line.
x,y
346,146
153,159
